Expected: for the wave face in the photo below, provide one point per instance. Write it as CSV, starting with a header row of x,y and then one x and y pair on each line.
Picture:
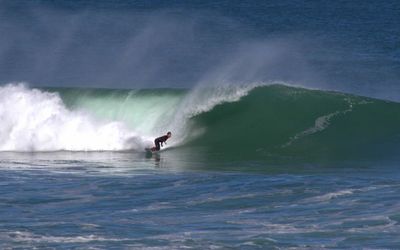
x,y
282,123
274,122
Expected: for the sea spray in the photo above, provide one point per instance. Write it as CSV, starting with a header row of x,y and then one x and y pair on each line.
x,y
201,100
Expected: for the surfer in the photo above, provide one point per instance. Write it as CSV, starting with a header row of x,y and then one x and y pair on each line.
x,y
160,140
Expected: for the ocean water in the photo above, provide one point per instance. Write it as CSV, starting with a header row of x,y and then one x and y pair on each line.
x,y
125,200
285,121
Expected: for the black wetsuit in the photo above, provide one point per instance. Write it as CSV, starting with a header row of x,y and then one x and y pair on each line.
x,y
160,140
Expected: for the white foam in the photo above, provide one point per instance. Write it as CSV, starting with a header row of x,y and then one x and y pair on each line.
x,y
19,236
34,120
339,193
332,195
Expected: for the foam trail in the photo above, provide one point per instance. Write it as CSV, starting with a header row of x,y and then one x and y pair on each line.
x,y
34,120
321,123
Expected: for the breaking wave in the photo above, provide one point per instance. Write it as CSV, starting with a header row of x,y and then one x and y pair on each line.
x,y
252,122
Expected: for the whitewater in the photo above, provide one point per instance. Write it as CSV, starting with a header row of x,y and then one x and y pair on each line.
x,y
33,120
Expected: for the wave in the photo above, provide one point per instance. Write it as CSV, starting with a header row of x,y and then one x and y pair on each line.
x,y
76,119
255,121
283,123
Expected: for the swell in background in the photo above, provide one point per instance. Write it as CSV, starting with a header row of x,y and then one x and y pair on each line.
x,y
351,47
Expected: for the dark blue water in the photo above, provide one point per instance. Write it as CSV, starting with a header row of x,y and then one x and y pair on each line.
x,y
123,200
350,46
181,199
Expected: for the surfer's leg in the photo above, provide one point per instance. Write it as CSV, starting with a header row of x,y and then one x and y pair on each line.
x,y
157,147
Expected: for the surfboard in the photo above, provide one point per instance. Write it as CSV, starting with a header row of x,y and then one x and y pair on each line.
x,y
148,150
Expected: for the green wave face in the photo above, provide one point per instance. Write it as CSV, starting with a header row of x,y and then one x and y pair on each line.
x,y
272,123
284,124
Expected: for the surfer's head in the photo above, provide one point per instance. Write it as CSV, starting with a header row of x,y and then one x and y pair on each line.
x,y
169,134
